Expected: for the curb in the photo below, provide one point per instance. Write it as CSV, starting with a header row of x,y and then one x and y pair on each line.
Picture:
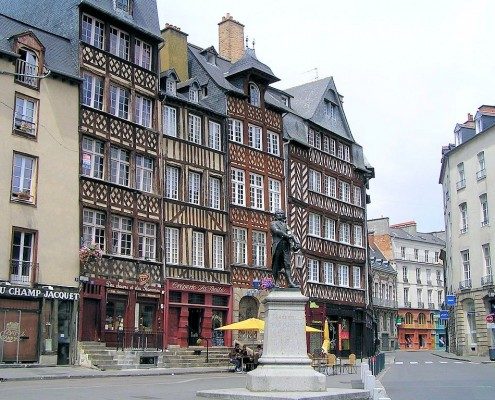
x,y
460,358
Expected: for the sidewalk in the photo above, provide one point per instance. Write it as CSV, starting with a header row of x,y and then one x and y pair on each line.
x,y
452,356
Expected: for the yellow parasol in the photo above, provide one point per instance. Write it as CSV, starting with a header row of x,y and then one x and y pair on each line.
x,y
310,329
254,324
326,337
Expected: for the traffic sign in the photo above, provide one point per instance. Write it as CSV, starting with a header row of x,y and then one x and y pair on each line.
x,y
444,314
489,318
450,299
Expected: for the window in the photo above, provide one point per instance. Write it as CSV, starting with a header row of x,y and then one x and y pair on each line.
x,y
144,173
22,263
254,95
215,139
25,115
481,173
255,136
239,237
23,178
235,130
430,297
404,274
121,235
344,275
147,240
119,166
218,252
440,298
215,187
92,31
194,129
487,260
142,111
428,276
170,86
171,245
406,299
238,186
259,249
172,182
347,153
403,253
94,228
484,209
471,322
332,187
358,198
418,275
27,68
356,277
345,191
461,183
274,190
194,187
92,91
318,140
313,271
193,95
311,137
198,248
142,54
439,276
314,181
466,267
328,228
332,147
119,101
427,255
358,235
340,151
170,121
330,110
326,144
328,273
119,43
314,228
256,191
124,5
463,220
273,143
345,233
421,319
437,256
416,254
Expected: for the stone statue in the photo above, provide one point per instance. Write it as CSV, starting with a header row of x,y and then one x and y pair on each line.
x,y
282,243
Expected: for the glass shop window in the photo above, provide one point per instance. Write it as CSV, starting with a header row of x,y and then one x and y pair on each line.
x,y
115,314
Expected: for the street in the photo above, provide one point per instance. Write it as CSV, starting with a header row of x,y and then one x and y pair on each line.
x,y
421,375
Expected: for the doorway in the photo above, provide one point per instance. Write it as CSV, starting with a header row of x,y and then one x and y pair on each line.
x,y
422,341
19,335
194,323
90,320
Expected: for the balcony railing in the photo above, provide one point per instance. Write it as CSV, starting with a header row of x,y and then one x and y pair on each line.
x,y
407,304
27,73
421,304
461,184
418,280
405,280
484,223
23,272
439,282
429,283
487,280
379,302
419,258
463,230
24,125
466,284
431,306
481,174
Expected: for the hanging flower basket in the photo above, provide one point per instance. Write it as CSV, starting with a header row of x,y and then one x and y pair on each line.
x,y
90,253
267,283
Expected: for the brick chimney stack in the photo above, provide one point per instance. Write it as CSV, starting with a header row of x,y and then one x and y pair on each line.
x,y
470,117
230,38
173,54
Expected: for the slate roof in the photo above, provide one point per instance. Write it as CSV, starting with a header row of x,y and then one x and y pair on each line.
x,y
426,237
378,260
249,62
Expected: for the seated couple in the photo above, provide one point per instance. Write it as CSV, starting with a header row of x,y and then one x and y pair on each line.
x,y
245,357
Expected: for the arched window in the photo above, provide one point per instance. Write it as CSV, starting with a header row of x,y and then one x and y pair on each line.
x,y
421,319
409,318
248,308
254,95
432,318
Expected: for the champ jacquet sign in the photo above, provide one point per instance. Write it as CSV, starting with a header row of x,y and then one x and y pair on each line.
x,y
38,293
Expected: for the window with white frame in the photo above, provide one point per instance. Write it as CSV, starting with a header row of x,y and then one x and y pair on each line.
x,y
119,43
215,187
330,110
23,256
356,277
472,333
256,191
25,114
347,153
93,229
404,274
194,187
439,276
328,273
461,183
259,249
318,140
329,228
429,295
239,238
119,166
481,173
124,5
142,54
93,157
119,101
484,209
333,146
440,298
403,252
171,245
311,137
358,235
146,240
314,181
23,177
274,194
215,137
326,144
172,182
427,255
169,125
313,270
255,137
416,254
170,86
235,130
273,143
345,191
466,266
464,217
314,222
198,249
194,129
92,91
487,259
143,111
121,235
254,95
218,252
193,95
358,197
340,151
92,31
238,187
418,275
345,233
331,186
344,275
144,173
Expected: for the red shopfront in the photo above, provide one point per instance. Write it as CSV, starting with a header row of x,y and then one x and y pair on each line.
x,y
194,310
123,314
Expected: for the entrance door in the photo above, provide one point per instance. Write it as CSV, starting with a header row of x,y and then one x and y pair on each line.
x,y
90,320
19,335
422,341
195,320
173,325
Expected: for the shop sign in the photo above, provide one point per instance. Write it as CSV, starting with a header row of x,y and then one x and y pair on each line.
x,y
144,279
199,288
128,286
37,293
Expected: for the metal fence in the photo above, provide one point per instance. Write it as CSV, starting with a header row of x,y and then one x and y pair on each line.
x,y
377,363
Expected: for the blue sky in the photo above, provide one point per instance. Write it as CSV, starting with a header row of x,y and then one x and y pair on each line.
x,y
408,71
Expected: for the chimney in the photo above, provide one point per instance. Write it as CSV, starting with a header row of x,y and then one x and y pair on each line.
x,y
173,54
371,238
230,38
470,117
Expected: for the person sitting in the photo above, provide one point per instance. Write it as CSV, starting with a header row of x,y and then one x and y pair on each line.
x,y
247,358
257,355
235,357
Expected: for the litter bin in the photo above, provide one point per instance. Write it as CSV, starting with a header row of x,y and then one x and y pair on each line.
x,y
491,353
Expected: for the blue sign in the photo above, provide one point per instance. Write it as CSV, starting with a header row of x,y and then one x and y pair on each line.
x,y
444,314
450,299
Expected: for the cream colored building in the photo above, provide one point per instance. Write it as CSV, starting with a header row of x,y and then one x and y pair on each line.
x,y
468,180
39,233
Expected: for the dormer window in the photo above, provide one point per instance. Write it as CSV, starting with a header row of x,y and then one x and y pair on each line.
x,y
193,95
27,67
210,57
330,110
254,95
479,125
124,5
285,100
170,86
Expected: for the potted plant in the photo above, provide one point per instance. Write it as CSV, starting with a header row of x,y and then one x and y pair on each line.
x,y
89,253
24,195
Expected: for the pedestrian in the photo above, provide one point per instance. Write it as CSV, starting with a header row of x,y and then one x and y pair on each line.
x,y
235,357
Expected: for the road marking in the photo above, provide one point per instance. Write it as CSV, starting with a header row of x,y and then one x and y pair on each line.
x,y
444,362
428,362
457,362
475,363
399,362
413,362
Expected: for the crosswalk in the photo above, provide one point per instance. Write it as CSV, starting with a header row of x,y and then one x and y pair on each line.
x,y
434,362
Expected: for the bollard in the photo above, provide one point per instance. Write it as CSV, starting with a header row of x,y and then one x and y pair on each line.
x,y
369,383
365,369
